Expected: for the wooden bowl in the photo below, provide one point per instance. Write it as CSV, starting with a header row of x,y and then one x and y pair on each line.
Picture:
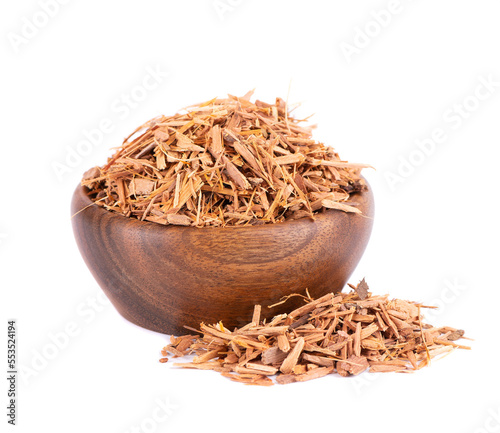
x,y
163,277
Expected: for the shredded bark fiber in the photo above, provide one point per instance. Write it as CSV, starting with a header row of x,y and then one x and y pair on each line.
x,y
224,162
346,333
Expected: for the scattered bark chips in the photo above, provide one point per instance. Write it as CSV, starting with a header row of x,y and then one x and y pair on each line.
x,y
342,333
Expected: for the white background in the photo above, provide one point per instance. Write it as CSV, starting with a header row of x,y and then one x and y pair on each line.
x,y
435,237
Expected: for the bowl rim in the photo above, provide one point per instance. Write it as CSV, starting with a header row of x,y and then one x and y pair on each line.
x,y
80,194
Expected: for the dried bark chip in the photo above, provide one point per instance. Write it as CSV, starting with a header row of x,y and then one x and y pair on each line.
x,y
91,174
330,204
299,369
283,343
293,356
207,356
142,186
273,356
357,340
362,289
179,220
355,364
284,379
318,360
341,368
256,315
456,335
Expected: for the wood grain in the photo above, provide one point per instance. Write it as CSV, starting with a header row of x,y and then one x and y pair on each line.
x,y
163,277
